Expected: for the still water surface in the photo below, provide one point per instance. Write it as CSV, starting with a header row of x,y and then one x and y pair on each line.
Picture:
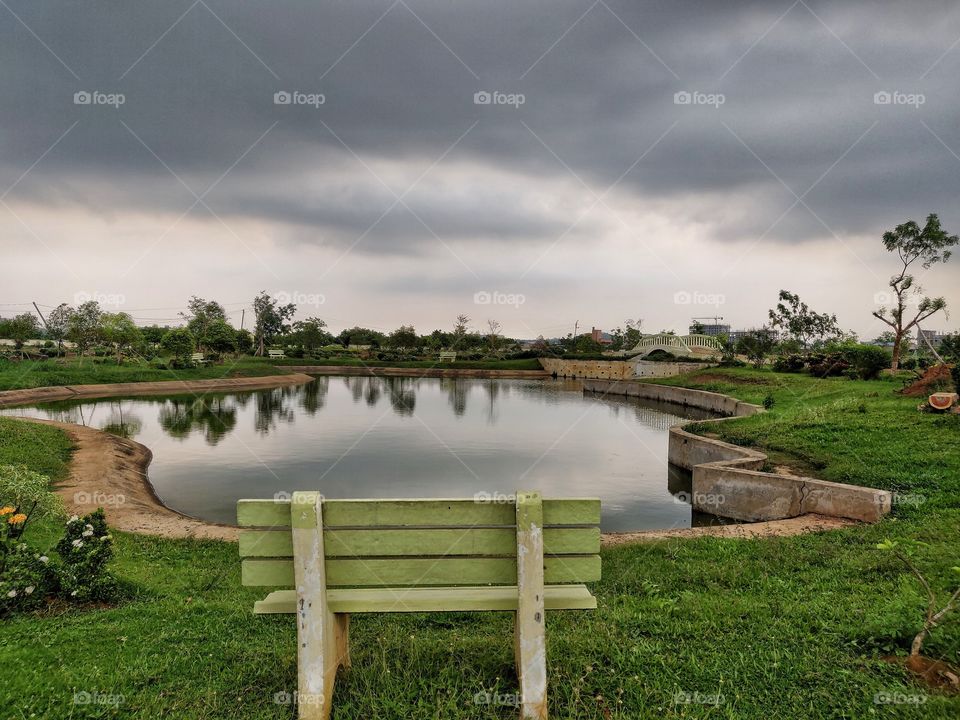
x,y
360,437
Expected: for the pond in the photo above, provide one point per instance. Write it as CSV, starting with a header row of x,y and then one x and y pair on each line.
x,y
367,437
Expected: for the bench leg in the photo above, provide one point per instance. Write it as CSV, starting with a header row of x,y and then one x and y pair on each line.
x,y
321,634
530,642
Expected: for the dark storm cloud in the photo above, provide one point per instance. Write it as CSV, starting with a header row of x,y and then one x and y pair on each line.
x,y
199,80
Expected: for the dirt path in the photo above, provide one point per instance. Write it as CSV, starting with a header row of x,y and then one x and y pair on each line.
x,y
111,472
772,528
28,396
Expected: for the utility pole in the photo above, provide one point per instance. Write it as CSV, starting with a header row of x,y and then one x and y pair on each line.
x,y
575,325
243,313
42,318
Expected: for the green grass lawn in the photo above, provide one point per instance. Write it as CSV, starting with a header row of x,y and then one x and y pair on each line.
x,y
785,628
43,373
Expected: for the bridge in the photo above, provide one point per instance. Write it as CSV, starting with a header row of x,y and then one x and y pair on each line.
x,y
686,345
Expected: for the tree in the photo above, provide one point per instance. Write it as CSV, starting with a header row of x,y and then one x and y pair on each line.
x,y
21,328
361,336
756,345
244,341
119,330
460,327
929,246
220,338
800,322
83,326
311,333
697,328
403,338
58,322
179,342
201,313
271,319
493,334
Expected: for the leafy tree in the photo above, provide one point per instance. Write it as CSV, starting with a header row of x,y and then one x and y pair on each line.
x,y
928,246
58,322
311,333
120,330
697,328
800,322
244,341
460,327
154,333
271,319
200,314
21,328
179,342
84,325
220,338
403,338
756,345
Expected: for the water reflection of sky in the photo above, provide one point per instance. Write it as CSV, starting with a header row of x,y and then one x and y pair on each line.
x,y
401,437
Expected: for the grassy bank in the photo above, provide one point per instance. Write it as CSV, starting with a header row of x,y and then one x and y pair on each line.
x,y
780,628
92,371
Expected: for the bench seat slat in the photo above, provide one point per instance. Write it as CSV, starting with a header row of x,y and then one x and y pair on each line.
x,y
390,572
429,599
419,512
396,542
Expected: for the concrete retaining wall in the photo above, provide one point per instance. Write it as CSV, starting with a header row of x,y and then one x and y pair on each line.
x,y
728,480
617,369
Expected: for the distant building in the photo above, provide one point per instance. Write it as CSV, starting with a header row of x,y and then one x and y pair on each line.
x,y
709,329
934,336
600,337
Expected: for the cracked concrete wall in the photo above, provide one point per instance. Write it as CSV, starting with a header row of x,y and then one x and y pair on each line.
x,y
728,479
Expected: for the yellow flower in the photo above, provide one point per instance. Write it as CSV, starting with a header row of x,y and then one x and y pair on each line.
x,y
6,510
17,519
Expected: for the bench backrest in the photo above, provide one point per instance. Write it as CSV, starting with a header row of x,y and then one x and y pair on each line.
x,y
275,353
197,356
448,355
391,543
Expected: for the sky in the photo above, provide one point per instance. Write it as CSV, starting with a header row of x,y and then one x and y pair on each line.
x,y
538,163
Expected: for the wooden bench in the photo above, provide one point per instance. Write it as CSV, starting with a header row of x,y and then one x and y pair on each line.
x,y
276,354
377,556
448,356
198,359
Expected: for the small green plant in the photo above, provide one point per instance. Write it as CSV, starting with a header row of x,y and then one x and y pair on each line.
x,y
934,617
85,550
769,401
862,408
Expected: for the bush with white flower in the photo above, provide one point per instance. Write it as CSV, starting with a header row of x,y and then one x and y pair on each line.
x,y
85,550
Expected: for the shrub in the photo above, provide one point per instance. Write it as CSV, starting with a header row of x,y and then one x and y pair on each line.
x,y
26,579
866,360
768,401
25,493
793,363
85,550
